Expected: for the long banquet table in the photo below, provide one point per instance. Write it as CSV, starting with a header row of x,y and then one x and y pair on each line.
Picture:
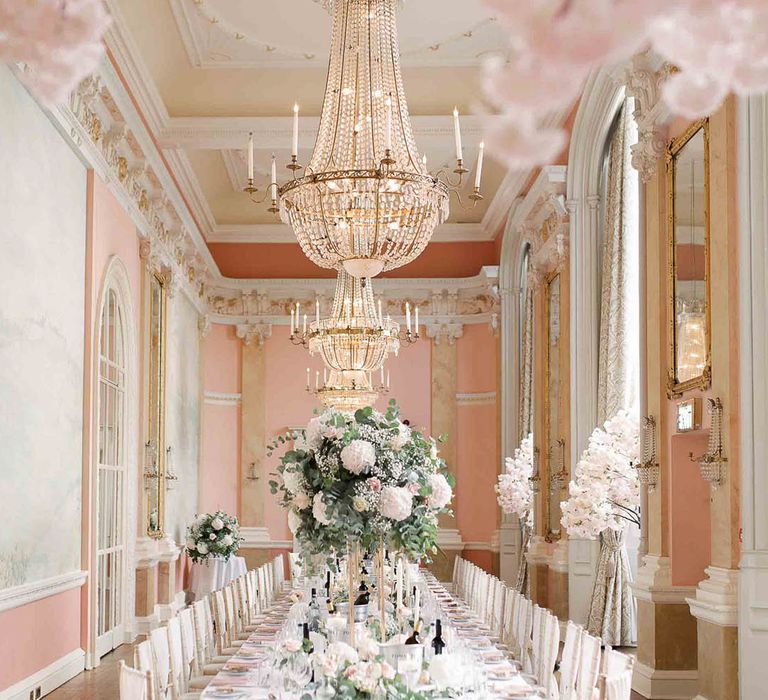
x,y
249,674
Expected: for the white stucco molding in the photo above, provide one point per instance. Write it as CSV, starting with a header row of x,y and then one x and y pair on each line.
x,y
16,596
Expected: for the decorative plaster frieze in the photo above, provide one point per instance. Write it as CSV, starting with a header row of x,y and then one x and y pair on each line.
x,y
643,78
251,333
101,121
204,325
442,302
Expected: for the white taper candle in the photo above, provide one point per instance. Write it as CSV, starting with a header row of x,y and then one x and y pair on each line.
x,y
273,181
250,156
295,146
457,132
408,316
479,168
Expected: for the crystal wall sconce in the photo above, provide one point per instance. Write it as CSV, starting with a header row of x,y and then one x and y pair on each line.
x,y
558,479
535,479
170,475
648,467
150,464
252,475
713,462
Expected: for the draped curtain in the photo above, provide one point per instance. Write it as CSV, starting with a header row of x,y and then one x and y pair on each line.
x,y
525,416
611,614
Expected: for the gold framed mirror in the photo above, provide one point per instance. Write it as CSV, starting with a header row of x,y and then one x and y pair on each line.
x,y
155,452
687,161
554,457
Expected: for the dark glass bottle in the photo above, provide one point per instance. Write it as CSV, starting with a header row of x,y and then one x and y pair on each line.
x,y
438,643
414,638
363,598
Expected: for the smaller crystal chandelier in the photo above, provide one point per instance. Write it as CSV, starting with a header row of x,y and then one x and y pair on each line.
x,y
692,342
353,342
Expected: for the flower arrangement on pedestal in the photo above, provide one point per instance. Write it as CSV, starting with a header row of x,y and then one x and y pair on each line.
x,y
605,493
514,492
366,478
213,535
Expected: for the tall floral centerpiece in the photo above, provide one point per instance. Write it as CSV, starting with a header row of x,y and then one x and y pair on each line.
x,y
605,491
213,535
514,492
362,477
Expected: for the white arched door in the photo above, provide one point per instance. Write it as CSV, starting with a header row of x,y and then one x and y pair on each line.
x,y
111,477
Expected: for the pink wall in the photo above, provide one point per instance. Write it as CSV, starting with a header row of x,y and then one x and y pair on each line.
x,y
220,455
35,635
689,526
477,445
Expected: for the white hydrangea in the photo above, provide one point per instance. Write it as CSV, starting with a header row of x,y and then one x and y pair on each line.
x,y
320,510
227,540
314,433
217,523
441,491
358,456
294,521
396,502
292,480
302,501
401,437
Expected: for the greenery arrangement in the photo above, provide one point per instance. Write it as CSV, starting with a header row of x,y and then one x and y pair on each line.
x,y
366,478
213,535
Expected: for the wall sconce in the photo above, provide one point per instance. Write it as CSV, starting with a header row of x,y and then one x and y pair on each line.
x,y
648,467
150,463
252,475
557,479
170,474
713,462
535,479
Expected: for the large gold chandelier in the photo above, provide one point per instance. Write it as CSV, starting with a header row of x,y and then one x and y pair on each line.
x,y
353,342
366,201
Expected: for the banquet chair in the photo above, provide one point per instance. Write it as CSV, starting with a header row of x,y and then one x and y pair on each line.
x,y
507,623
144,661
616,677
134,684
193,674
179,668
243,604
161,650
279,568
589,667
532,642
208,661
548,651
223,630
497,610
569,661
455,574
254,601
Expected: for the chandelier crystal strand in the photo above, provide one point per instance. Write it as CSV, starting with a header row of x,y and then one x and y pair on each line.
x,y
366,201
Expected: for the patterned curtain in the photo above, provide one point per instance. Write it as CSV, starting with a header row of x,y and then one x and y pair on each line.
x,y
611,614
525,417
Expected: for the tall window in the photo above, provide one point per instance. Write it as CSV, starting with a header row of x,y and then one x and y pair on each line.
x,y
111,470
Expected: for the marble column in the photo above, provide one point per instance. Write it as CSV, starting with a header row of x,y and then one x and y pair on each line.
x,y
445,422
752,138
666,631
715,605
254,426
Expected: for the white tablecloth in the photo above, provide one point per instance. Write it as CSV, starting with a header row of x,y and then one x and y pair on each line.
x,y
207,577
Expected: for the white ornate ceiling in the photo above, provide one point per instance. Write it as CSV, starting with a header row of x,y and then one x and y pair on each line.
x,y
295,33
203,76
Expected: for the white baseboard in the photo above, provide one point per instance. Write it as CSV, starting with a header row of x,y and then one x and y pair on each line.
x,y
654,683
144,625
165,611
48,678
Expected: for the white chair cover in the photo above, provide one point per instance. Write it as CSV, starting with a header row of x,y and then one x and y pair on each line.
x,y
134,684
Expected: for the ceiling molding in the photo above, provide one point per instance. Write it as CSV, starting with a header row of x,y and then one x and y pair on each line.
x,y
193,191
282,233
127,56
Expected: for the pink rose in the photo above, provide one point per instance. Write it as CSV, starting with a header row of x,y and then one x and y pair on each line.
x,y
414,489
374,484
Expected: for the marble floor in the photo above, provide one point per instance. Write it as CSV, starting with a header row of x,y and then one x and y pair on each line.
x,y
101,683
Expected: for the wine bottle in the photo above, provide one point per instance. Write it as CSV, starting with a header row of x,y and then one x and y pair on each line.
x,y
308,646
364,598
414,638
328,583
438,643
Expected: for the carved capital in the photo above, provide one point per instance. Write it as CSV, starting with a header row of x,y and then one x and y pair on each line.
x,y
445,332
251,333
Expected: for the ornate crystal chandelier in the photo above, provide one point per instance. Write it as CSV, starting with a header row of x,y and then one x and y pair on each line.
x,y
353,342
366,201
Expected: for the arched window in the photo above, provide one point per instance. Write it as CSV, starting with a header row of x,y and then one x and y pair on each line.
x,y
111,475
